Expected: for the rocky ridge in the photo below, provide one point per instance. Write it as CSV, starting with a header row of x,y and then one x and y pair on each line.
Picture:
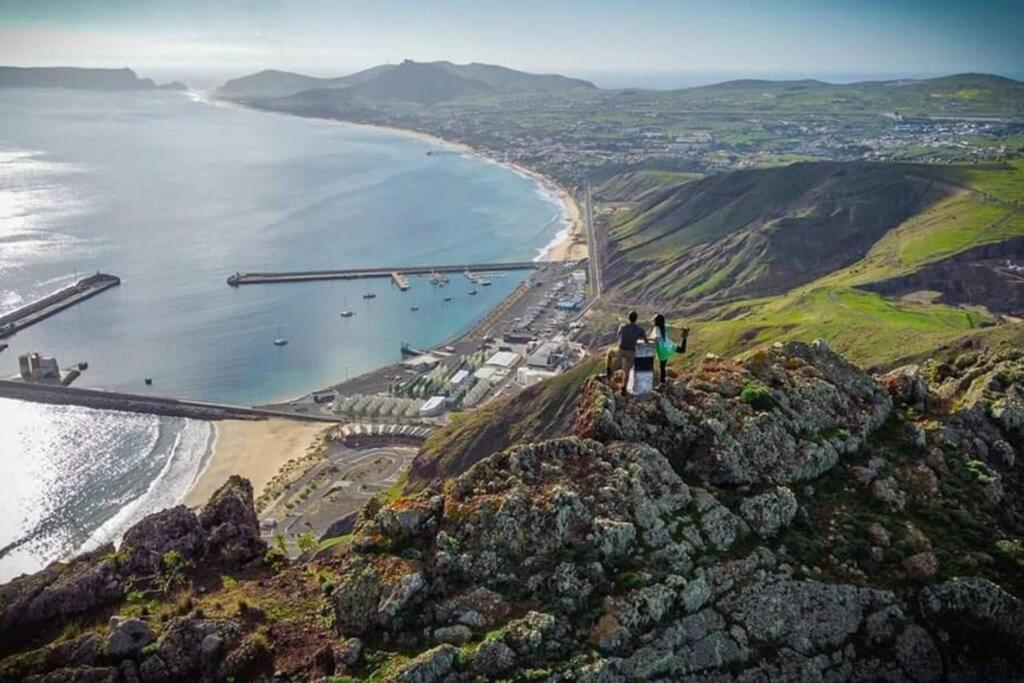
x,y
786,517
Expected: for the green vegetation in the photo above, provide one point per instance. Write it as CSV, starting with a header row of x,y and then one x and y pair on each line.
x,y
174,571
334,542
802,242
757,396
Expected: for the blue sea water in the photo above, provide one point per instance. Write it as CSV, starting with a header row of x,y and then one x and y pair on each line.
x,y
173,194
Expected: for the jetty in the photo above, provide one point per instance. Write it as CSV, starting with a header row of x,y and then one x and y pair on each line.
x,y
136,403
52,304
392,272
401,280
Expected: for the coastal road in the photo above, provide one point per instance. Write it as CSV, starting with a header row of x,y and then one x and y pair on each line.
x,y
597,284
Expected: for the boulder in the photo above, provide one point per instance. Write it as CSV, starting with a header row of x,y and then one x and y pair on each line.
x,y
128,636
907,386
493,658
769,513
429,667
229,520
190,649
373,592
921,566
152,537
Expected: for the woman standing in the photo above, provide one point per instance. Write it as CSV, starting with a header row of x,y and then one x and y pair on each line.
x,y
663,347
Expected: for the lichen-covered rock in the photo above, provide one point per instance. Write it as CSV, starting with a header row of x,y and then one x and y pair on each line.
x,y
823,408
770,512
190,649
429,667
233,531
907,386
176,529
374,591
493,658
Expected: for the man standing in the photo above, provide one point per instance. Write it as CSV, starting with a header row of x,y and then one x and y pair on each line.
x,y
625,354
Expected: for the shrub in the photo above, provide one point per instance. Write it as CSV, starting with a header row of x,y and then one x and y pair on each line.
x,y
175,570
757,396
1011,550
307,543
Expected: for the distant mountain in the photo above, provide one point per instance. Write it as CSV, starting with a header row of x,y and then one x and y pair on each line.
x,y
965,94
73,77
424,82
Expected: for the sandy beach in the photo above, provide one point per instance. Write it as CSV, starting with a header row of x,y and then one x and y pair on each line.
x,y
254,449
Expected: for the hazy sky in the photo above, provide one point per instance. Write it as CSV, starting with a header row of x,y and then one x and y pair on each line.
x,y
599,36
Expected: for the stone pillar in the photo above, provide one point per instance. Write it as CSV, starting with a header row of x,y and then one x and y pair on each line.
x,y
641,380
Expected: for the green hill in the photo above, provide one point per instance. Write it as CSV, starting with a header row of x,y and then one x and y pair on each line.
x,y
884,261
753,233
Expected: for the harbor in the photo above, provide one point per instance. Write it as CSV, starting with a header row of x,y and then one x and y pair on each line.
x,y
399,274
41,309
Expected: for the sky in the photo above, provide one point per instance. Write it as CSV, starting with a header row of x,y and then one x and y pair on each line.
x,y
616,41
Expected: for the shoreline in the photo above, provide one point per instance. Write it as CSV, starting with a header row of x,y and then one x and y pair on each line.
x,y
256,450
568,244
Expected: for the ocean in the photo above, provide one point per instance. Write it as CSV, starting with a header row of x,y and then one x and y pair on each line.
x,y
173,194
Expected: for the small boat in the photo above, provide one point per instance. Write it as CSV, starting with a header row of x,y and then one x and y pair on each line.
x,y
447,298
414,308
485,283
280,341
472,292
149,381
345,312
369,295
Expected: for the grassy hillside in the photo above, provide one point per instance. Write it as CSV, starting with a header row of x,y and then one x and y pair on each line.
x,y
981,209
542,411
758,232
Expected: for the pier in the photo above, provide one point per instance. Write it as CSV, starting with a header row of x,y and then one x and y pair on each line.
x,y
52,304
136,403
392,272
401,280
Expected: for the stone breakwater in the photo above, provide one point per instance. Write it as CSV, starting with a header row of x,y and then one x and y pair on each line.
x,y
728,529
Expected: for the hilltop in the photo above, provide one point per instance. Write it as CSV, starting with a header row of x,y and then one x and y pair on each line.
x,y
785,517
426,82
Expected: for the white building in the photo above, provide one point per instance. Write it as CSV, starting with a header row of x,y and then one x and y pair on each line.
x,y
434,406
527,377
503,359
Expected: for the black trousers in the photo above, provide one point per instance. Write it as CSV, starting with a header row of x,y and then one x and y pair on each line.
x,y
661,366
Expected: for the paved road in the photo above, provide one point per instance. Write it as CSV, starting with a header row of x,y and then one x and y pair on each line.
x,y
594,250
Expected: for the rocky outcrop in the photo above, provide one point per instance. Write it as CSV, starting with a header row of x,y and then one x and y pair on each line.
x,y
227,526
229,520
815,407
174,530
752,522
